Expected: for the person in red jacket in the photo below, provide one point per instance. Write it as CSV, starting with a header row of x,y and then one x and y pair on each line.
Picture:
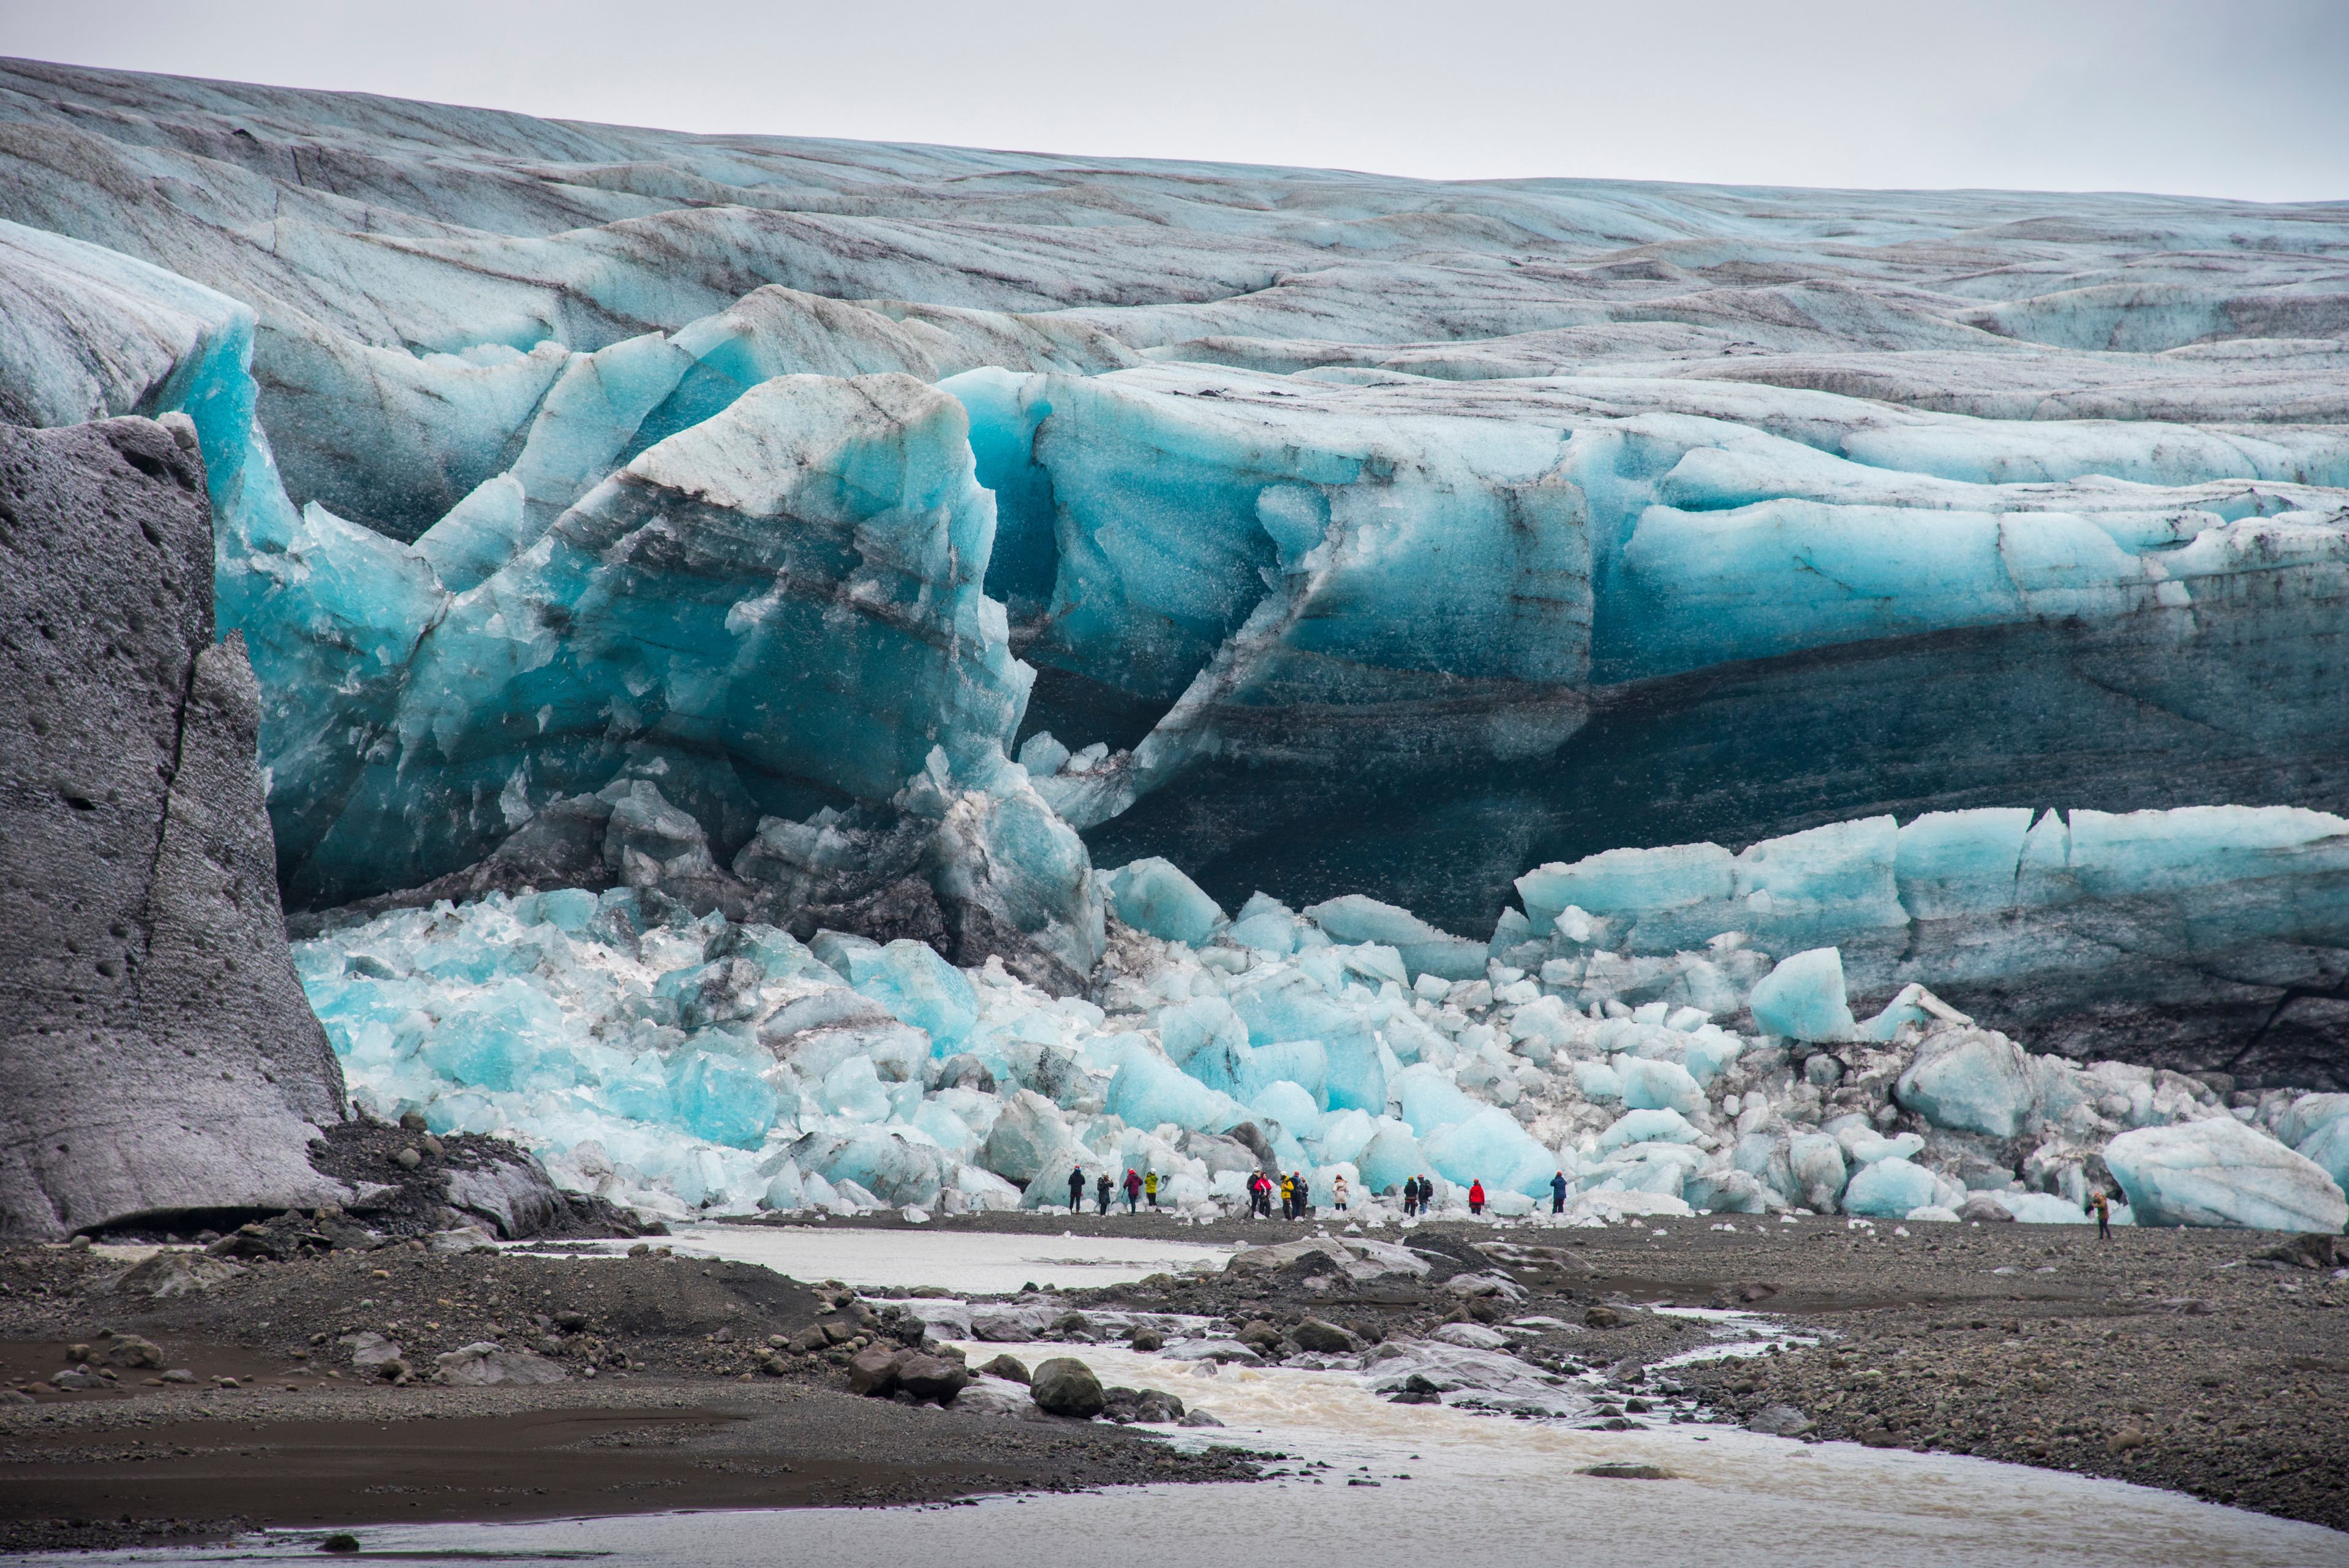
x,y
1132,1189
1475,1197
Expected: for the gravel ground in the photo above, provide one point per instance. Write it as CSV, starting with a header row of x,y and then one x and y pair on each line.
x,y
674,1396
2175,1358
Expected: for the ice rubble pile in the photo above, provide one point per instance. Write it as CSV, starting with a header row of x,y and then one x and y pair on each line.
x,y
697,1064
2094,931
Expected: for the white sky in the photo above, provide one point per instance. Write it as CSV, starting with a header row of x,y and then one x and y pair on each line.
x,y
2227,97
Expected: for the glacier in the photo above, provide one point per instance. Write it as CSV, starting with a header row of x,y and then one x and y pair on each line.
x,y
814,674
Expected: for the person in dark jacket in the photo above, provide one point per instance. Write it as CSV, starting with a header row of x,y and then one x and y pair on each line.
x,y
1410,1196
1133,1188
1076,1191
1101,1191
1558,1194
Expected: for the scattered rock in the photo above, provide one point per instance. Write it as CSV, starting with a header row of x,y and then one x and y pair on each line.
x,y
1416,1390
1628,1473
130,1350
2124,1440
1147,1339
1602,1316
1007,1367
1198,1419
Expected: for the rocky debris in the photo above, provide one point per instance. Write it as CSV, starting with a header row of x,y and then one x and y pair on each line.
x,y
882,1371
1064,1386
407,1182
157,1055
483,1364
1152,1406
2313,1250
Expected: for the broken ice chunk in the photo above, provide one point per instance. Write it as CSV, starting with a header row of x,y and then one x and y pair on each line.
x,y
1151,895
1804,997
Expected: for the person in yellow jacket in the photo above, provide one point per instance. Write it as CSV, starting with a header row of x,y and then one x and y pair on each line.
x,y
1150,1187
1289,1197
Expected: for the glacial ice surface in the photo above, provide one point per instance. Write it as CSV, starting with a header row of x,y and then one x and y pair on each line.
x,y
1320,508
729,570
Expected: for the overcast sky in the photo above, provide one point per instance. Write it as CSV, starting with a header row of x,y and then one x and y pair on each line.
x,y
2227,98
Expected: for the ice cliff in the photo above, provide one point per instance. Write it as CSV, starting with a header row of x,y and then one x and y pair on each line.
x,y
862,544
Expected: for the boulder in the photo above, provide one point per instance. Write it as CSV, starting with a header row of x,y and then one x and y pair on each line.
x,y
369,1350
1007,1367
1156,1405
1780,1421
873,1371
1066,1387
2221,1172
174,1273
483,1364
1324,1338
157,1054
934,1378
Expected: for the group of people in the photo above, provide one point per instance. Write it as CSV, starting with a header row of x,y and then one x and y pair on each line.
x,y
1294,1194
1419,1196
1138,1186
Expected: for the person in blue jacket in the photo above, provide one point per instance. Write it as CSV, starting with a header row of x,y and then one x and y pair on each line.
x,y
1558,1194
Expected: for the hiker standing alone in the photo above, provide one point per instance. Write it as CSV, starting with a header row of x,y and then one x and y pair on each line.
x,y
1558,1194
2102,1207
1476,1197
1076,1191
